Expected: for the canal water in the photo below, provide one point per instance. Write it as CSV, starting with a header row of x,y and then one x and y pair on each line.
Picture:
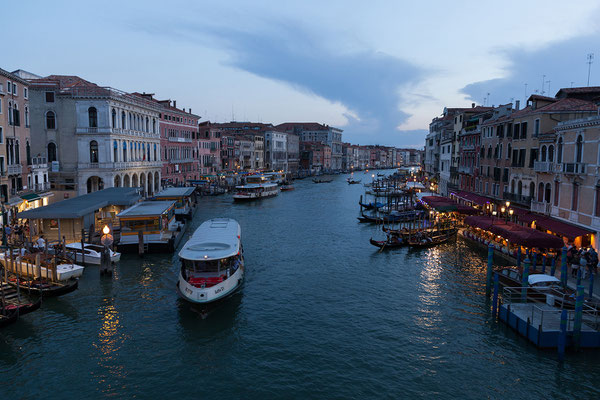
x,y
322,314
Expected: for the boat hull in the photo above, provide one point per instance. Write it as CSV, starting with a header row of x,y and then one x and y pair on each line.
x,y
210,294
242,198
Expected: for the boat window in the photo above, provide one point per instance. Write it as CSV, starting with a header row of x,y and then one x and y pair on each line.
x,y
139,225
513,275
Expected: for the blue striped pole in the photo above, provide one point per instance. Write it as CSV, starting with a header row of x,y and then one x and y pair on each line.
x,y
495,298
578,317
525,281
562,336
591,293
533,259
519,256
563,267
579,273
553,266
544,263
490,265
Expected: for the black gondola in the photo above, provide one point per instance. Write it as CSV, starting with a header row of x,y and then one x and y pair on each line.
x,y
43,287
7,317
390,243
322,180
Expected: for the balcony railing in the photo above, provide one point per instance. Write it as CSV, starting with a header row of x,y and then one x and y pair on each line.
x,y
116,131
15,169
120,165
517,198
465,170
181,160
545,167
573,168
541,207
180,139
467,147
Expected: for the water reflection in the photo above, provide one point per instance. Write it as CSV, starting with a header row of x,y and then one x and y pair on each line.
x,y
204,321
108,343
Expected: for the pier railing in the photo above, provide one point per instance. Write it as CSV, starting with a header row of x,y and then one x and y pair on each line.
x,y
538,296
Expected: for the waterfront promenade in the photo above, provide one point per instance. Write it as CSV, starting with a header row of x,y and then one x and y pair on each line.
x,y
322,314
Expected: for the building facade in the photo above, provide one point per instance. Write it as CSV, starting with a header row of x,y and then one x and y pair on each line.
x,y
95,137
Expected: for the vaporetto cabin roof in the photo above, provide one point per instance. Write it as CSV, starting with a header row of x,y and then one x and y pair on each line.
x,y
215,239
175,192
147,209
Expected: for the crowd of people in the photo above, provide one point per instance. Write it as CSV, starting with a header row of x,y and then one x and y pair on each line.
x,y
585,259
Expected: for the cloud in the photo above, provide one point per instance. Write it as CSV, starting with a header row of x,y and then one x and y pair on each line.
x,y
366,82
562,63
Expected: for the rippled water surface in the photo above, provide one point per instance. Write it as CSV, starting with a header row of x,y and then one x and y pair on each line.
x,y
322,314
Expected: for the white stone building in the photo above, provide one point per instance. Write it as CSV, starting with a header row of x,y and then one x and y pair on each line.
x,y
95,137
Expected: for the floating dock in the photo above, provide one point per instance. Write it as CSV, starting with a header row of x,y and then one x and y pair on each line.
x,y
540,324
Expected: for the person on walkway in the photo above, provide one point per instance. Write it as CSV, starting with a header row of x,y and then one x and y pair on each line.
x,y
574,261
583,262
41,243
593,260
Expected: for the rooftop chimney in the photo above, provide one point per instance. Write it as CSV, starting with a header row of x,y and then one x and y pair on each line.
x,y
472,105
175,103
190,110
517,104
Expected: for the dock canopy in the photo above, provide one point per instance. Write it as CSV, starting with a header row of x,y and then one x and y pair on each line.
x,y
514,233
562,228
173,192
80,206
445,204
471,197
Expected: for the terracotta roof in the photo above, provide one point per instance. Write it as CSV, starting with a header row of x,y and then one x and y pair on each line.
x,y
570,104
303,126
540,97
585,89
63,81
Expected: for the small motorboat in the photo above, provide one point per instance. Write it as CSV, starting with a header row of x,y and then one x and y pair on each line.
x,y
424,241
93,253
353,181
371,205
322,180
286,188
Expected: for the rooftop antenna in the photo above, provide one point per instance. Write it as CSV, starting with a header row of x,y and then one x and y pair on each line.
x,y
543,84
549,86
232,114
590,60
572,83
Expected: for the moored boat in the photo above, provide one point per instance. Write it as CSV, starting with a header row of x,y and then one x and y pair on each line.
x,y
286,188
391,242
256,187
424,240
93,253
322,180
212,262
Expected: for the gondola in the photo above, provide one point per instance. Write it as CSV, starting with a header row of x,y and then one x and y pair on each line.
x,y
370,206
7,317
429,242
44,287
322,180
25,308
405,217
389,243
353,182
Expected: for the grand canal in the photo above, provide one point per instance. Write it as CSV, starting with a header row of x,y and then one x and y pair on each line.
x,y
322,314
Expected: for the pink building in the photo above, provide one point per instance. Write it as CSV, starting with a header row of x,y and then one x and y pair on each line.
x,y
178,141
209,148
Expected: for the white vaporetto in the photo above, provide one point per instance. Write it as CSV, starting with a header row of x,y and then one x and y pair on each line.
x,y
212,262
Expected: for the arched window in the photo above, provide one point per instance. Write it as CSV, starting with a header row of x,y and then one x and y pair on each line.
x,y
508,152
130,126
597,205
114,118
579,149
93,151
556,192
28,153
548,194
520,188
51,152
154,152
50,120
153,125
123,120
575,196
115,151
27,116
559,151
124,151
512,186
17,153
540,192
551,153
543,154
147,125
489,152
532,190
93,117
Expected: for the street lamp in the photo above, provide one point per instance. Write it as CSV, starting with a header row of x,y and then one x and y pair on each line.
x,y
507,204
511,213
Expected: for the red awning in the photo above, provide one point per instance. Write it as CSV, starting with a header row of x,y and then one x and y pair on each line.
x,y
562,228
514,233
472,197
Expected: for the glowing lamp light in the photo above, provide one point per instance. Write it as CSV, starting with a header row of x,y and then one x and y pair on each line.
x,y
205,256
494,213
106,230
507,204
503,209
511,211
373,176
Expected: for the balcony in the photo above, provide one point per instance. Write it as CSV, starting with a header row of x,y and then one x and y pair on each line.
x,y
181,160
467,147
541,207
180,140
15,169
115,131
517,198
573,168
38,163
465,170
548,167
120,165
